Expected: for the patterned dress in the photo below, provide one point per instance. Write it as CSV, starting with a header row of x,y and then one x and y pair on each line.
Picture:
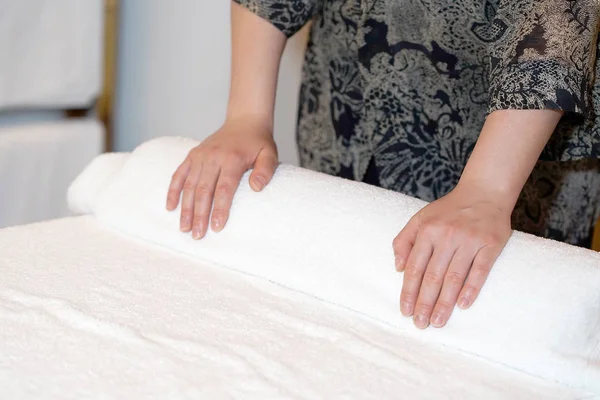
x,y
399,90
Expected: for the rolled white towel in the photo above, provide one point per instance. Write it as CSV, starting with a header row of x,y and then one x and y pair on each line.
x,y
331,238
86,188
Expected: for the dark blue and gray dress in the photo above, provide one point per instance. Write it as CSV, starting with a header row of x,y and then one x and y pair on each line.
x,y
395,92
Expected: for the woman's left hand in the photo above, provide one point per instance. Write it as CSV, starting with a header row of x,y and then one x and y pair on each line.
x,y
446,252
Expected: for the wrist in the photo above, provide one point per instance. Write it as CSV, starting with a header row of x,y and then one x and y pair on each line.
x,y
504,196
263,122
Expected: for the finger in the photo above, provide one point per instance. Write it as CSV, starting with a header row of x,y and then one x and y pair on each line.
x,y
413,274
187,200
482,265
431,285
203,198
404,242
176,186
228,183
453,283
264,168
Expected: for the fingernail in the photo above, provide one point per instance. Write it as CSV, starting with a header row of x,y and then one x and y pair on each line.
x,y
463,303
217,224
185,224
259,181
406,309
437,320
170,205
399,264
196,232
421,321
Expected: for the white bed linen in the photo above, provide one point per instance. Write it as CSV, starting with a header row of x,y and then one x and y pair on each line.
x,y
89,313
331,238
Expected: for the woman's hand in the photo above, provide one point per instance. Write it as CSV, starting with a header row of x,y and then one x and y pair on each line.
x,y
448,249
446,252
211,173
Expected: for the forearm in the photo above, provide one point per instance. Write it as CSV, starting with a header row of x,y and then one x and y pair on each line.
x,y
256,53
508,148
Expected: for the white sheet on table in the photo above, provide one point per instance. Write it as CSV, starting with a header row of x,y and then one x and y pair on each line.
x,y
88,313
51,52
331,238
37,164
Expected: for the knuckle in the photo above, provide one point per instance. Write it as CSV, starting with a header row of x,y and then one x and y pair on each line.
x,y
412,271
218,213
429,228
211,157
223,191
479,272
480,269
407,297
213,150
189,186
198,219
175,175
443,305
454,278
196,149
473,235
491,240
214,161
424,307
471,290
236,158
172,197
203,190
439,230
432,278
195,155
450,232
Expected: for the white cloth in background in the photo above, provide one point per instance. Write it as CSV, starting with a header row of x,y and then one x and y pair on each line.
x,y
331,238
86,313
37,164
51,53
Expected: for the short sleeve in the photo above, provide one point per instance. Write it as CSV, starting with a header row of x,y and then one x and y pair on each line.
x,y
545,58
286,15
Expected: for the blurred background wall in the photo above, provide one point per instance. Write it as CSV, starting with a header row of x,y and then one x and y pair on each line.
x,y
173,73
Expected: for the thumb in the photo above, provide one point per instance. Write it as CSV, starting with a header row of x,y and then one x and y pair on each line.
x,y
264,168
404,242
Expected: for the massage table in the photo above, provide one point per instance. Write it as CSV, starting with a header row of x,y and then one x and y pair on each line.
x,y
296,298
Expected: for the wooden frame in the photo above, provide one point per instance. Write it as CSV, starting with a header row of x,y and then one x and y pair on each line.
x,y
104,104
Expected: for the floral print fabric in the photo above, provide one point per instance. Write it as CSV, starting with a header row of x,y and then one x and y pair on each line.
x,y
406,85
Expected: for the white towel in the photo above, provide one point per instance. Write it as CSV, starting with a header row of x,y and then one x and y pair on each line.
x,y
84,192
86,313
51,53
331,238
37,164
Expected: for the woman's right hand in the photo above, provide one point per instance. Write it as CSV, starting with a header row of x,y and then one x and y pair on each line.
x,y
209,176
